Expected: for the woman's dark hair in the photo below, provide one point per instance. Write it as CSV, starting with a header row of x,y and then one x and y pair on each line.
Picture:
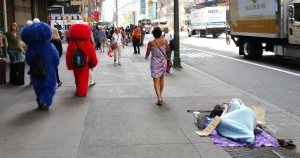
x,y
156,32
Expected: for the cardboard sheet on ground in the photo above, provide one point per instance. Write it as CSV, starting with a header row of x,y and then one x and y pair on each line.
x,y
214,123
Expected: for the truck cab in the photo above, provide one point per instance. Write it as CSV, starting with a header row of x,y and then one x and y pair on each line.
x,y
294,22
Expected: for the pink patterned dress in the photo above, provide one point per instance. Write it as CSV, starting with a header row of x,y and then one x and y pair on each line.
x,y
158,63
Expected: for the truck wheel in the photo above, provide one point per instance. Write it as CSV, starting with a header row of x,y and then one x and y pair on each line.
x,y
252,50
202,33
215,36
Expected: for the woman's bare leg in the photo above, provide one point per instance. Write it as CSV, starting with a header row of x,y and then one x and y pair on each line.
x,y
161,85
157,88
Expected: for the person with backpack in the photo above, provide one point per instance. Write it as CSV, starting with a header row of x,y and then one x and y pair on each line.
x,y
42,57
80,52
136,35
168,37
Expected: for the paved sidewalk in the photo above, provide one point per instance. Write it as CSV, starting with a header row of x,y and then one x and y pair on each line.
x,y
118,117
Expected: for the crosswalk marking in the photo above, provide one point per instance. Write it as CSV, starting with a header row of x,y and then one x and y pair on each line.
x,y
193,55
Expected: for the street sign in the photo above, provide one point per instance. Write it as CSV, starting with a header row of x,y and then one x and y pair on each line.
x,y
142,6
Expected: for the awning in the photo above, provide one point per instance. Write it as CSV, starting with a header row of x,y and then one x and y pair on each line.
x,y
58,2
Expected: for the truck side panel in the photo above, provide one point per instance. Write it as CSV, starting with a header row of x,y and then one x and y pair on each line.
x,y
254,18
198,19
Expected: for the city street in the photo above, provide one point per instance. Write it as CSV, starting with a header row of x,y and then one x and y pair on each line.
x,y
119,118
273,79
122,114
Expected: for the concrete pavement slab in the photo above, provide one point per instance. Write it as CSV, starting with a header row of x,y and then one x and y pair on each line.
x,y
209,150
129,121
48,153
146,151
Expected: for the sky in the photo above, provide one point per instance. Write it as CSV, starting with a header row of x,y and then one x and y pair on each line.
x,y
109,7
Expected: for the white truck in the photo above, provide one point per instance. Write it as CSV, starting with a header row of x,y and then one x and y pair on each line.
x,y
270,25
208,20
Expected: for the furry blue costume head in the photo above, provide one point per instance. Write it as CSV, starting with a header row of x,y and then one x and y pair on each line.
x,y
36,33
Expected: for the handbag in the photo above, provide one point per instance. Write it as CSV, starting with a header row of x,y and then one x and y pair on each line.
x,y
115,45
169,63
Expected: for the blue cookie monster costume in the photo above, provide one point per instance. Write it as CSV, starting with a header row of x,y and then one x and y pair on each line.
x,y
37,36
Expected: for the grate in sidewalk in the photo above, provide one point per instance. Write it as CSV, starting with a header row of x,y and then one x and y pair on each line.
x,y
261,152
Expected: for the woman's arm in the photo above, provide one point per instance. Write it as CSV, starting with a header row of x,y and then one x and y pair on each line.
x,y
148,50
1,38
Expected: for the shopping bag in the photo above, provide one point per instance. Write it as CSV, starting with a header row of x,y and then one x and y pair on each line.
x,y
110,53
260,112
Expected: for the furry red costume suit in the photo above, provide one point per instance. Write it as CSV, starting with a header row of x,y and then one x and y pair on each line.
x,y
81,33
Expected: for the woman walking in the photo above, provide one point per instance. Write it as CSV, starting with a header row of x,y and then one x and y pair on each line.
x,y
158,66
117,38
57,43
102,38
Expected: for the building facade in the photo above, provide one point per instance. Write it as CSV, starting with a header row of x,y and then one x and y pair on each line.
x,y
20,11
162,12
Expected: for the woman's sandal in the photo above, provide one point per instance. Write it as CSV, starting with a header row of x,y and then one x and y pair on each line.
x,y
159,102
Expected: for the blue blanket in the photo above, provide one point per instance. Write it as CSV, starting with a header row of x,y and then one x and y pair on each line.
x,y
238,125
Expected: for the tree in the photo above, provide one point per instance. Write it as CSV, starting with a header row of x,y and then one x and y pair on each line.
x,y
127,18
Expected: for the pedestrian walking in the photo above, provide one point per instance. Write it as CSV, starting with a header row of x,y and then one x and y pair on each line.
x,y
136,35
67,36
91,71
117,38
14,46
42,57
143,33
158,63
102,38
58,45
81,47
168,37
95,36
126,39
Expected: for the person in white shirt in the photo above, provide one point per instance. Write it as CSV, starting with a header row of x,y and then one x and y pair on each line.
x,y
117,37
168,36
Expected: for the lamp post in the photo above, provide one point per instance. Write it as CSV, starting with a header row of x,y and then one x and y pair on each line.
x,y
176,60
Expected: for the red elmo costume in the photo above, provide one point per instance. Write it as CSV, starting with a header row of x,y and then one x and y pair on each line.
x,y
81,33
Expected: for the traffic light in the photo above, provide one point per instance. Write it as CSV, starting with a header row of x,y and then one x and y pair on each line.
x,y
79,10
68,19
150,2
88,19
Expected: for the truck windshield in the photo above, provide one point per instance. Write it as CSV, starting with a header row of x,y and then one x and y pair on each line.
x,y
297,12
